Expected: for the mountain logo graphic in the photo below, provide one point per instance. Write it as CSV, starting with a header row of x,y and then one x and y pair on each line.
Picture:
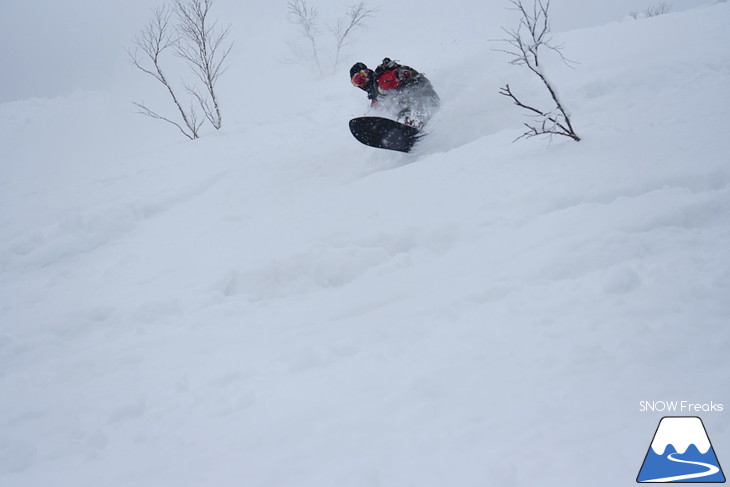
x,y
680,452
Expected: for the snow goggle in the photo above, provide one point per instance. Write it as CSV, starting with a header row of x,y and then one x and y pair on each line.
x,y
360,79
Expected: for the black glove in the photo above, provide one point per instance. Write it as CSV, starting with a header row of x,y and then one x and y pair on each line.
x,y
388,64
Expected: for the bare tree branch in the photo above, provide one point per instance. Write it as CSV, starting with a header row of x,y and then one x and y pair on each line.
x,y
356,17
307,18
525,41
554,127
146,111
152,41
203,45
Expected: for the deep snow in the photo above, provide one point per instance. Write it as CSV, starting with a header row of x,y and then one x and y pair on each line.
x,y
277,305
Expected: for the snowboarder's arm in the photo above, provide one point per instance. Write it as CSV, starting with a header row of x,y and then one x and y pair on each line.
x,y
372,91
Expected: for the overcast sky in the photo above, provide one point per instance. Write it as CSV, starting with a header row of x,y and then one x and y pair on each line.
x,y
54,47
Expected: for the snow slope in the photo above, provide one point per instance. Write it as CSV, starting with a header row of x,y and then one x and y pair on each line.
x,y
277,305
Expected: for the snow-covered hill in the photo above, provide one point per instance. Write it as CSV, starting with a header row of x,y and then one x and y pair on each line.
x,y
277,305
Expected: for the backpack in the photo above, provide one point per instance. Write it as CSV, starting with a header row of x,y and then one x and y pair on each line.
x,y
391,75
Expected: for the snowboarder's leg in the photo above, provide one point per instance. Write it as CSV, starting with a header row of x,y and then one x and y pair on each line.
x,y
419,103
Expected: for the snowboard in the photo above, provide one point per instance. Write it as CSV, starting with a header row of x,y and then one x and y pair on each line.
x,y
384,133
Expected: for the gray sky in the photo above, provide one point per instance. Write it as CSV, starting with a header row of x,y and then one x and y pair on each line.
x,y
52,47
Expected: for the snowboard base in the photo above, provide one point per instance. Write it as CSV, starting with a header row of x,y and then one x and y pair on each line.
x,y
384,133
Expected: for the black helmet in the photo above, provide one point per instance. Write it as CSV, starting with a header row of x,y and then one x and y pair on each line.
x,y
356,68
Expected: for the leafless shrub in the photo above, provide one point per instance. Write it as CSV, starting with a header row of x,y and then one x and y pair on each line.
x,y
659,9
652,11
149,45
200,44
203,45
308,20
354,19
532,33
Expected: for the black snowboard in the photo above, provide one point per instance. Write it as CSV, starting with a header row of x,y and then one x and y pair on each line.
x,y
384,133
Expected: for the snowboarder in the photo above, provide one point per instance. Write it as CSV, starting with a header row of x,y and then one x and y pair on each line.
x,y
400,90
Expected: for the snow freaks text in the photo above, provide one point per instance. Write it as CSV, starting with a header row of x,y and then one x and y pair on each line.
x,y
679,407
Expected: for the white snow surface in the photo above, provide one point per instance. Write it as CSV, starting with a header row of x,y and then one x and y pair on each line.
x,y
275,304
